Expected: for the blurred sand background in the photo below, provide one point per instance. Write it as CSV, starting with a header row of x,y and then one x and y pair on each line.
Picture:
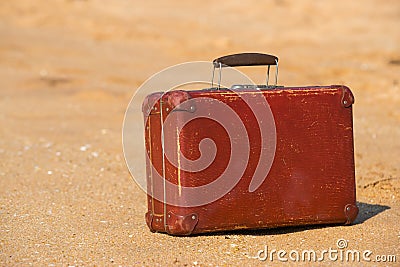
x,y
68,69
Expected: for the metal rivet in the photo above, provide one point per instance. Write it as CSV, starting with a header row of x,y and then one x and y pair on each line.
x,y
193,217
166,109
169,215
348,208
191,108
345,102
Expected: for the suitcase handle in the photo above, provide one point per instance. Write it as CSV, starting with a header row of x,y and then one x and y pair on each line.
x,y
245,59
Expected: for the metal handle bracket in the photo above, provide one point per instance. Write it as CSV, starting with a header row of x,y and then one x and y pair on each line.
x,y
245,59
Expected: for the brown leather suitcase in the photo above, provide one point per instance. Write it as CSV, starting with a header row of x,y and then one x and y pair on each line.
x,y
249,157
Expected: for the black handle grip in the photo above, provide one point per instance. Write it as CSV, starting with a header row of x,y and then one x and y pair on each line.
x,y
245,59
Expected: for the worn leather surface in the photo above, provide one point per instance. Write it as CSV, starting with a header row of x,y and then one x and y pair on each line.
x,y
311,181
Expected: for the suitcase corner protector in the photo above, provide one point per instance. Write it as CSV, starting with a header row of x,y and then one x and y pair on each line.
x,y
351,212
178,100
149,220
181,224
347,97
149,105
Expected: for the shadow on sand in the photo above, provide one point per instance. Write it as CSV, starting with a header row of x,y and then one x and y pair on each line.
x,y
367,211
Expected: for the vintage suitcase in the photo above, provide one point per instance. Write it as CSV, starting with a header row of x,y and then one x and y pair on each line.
x,y
249,157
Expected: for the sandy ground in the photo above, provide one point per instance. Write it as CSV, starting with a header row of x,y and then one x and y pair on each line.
x,y
69,68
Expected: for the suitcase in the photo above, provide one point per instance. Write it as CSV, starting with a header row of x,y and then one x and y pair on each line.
x,y
249,157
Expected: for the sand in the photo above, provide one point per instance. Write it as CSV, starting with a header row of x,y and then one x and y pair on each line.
x,y
69,68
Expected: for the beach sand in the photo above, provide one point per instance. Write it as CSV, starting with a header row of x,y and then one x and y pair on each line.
x,y
68,70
